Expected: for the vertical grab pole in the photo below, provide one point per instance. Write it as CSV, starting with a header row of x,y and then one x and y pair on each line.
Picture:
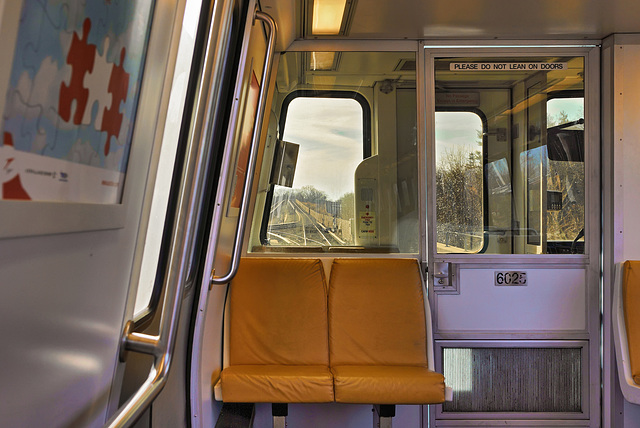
x,y
253,154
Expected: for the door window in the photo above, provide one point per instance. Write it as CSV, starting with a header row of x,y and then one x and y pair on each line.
x,y
459,182
513,182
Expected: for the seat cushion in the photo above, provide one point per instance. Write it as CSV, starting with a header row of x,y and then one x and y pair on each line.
x,y
277,384
388,385
376,313
278,313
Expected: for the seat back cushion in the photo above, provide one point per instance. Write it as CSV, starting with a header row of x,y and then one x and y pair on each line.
x,y
278,313
631,299
376,313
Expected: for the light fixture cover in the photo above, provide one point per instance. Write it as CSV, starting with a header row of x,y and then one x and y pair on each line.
x,y
327,16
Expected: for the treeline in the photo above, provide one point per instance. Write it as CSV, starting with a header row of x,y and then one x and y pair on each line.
x,y
459,216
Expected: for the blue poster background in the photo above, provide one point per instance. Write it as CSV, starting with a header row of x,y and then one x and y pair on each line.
x,y
75,80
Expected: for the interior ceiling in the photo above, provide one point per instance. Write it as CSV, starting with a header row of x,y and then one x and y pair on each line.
x,y
472,19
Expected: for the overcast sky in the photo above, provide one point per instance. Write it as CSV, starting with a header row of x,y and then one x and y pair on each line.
x,y
457,129
574,107
329,132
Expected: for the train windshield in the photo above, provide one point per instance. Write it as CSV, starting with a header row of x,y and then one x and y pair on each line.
x,y
343,171
318,207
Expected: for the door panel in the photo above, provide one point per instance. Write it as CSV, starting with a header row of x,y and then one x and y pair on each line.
x,y
560,294
520,303
65,296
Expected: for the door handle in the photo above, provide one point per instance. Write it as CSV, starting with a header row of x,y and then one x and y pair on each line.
x,y
441,274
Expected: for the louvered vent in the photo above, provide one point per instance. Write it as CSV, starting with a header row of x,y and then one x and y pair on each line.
x,y
513,379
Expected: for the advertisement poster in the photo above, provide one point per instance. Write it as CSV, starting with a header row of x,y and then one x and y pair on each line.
x,y
71,102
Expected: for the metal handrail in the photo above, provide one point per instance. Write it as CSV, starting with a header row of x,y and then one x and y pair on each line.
x,y
255,142
190,198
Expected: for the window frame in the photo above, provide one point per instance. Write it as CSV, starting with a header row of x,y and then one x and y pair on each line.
x,y
312,93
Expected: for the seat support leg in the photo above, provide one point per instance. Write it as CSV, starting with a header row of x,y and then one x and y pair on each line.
x,y
279,411
279,422
383,415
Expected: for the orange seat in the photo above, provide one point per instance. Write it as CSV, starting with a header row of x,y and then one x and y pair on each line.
x,y
278,341
378,334
626,328
631,300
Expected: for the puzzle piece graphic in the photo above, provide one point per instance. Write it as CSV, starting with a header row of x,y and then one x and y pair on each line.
x,y
100,14
8,139
83,153
20,119
43,94
68,95
73,10
118,86
81,57
12,188
31,107
96,82
45,21
55,13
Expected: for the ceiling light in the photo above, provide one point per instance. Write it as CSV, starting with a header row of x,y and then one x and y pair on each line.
x,y
327,16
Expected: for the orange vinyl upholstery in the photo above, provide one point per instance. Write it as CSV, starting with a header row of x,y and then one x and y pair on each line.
x,y
278,340
377,334
631,301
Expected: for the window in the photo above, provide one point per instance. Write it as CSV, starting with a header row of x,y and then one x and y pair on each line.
x,y
343,175
319,208
459,182
510,179
565,174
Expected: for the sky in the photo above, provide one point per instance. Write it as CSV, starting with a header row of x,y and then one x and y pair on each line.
x,y
329,132
574,107
456,129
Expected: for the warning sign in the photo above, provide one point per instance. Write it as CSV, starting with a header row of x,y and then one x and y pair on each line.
x,y
457,99
367,223
507,66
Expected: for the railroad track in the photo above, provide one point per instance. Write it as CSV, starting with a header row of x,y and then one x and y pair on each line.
x,y
292,224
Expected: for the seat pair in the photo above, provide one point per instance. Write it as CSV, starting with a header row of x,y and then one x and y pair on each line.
x,y
364,340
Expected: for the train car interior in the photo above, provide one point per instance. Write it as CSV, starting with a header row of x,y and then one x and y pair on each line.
x,y
319,213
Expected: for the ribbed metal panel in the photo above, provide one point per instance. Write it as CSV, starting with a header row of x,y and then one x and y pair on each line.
x,y
513,379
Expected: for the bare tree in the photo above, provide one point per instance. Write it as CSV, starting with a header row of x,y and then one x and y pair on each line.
x,y
459,201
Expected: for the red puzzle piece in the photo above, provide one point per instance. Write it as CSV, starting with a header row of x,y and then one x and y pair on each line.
x,y
81,57
118,86
13,189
